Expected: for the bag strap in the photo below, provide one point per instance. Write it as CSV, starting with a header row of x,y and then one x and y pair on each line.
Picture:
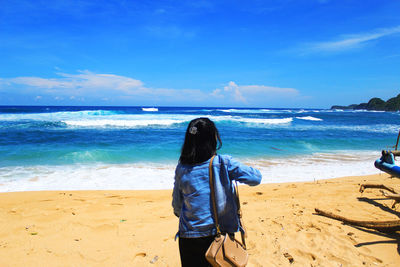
x,y
212,192
243,232
239,211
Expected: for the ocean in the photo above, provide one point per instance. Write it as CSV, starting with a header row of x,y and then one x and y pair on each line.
x,y
79,148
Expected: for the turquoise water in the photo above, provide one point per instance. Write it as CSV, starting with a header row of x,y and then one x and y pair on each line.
x,y
47,141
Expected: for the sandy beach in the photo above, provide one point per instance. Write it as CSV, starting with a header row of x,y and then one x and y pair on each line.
x,y
137,228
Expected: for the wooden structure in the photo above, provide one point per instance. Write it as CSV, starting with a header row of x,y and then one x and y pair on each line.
x,y
376,225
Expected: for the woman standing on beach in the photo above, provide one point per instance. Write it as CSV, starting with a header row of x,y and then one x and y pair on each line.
x,y
191,194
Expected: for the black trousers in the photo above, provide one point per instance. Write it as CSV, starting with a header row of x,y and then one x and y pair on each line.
x,y
192,251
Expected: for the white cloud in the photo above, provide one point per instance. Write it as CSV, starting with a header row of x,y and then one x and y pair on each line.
x,y
253,93
236,91
96,88
351,41
41,82
92,85
85,80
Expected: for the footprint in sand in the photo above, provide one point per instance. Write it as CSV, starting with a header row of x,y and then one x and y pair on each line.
x,y
311,225
13,210
139,259
141,254
289,257
329,224
334,258
112,196
307,254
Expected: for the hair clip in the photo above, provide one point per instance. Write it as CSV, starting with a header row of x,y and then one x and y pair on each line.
x,y
193,130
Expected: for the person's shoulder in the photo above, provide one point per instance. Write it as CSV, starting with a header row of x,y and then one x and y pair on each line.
x,y
225,158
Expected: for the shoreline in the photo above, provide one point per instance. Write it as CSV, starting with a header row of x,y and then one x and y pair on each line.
x,y
126,227
159,175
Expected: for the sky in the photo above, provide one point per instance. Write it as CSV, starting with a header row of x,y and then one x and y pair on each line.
x,y
254,53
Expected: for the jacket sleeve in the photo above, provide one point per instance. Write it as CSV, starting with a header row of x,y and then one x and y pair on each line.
x,y
176,195
243,173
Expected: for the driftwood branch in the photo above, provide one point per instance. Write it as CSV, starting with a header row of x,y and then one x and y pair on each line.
x,y
377,225
395,197
380,186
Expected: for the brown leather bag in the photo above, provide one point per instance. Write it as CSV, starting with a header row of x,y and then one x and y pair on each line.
x,y
225,250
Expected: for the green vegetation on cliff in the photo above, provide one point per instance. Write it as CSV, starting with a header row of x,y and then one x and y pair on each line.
x,y
393,104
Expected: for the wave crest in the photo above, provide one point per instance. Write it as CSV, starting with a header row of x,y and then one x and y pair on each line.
x,y
121,123
309,118
265,121
150,109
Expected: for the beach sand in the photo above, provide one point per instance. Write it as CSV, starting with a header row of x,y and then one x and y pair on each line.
x,y
137,228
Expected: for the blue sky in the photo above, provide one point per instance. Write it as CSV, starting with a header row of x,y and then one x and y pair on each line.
x,y
287,53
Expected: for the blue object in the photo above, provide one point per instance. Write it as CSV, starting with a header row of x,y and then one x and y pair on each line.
x,y
386,163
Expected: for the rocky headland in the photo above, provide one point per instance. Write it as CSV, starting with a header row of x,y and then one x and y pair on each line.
x,y
376,103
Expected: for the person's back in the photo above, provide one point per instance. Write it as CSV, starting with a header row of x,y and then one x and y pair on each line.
x,y
191,194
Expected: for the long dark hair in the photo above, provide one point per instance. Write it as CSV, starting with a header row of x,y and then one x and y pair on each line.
x,y
201,141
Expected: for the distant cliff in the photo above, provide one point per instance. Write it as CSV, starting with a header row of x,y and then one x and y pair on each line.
x,y
393,104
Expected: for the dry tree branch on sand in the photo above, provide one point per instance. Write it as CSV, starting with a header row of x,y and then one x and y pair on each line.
x,y
395,195
377,225
380,186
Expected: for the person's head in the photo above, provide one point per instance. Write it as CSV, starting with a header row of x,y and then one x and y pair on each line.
x,y
201,141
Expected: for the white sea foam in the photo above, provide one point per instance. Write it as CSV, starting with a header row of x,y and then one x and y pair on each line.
x,y
377,128
167,120
248,111
101,118
150,109
56,116
309,118
112,119
87,177
143,176
317,166
122,123
264,121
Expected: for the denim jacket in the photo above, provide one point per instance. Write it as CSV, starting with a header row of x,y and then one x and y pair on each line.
x,y
191,198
